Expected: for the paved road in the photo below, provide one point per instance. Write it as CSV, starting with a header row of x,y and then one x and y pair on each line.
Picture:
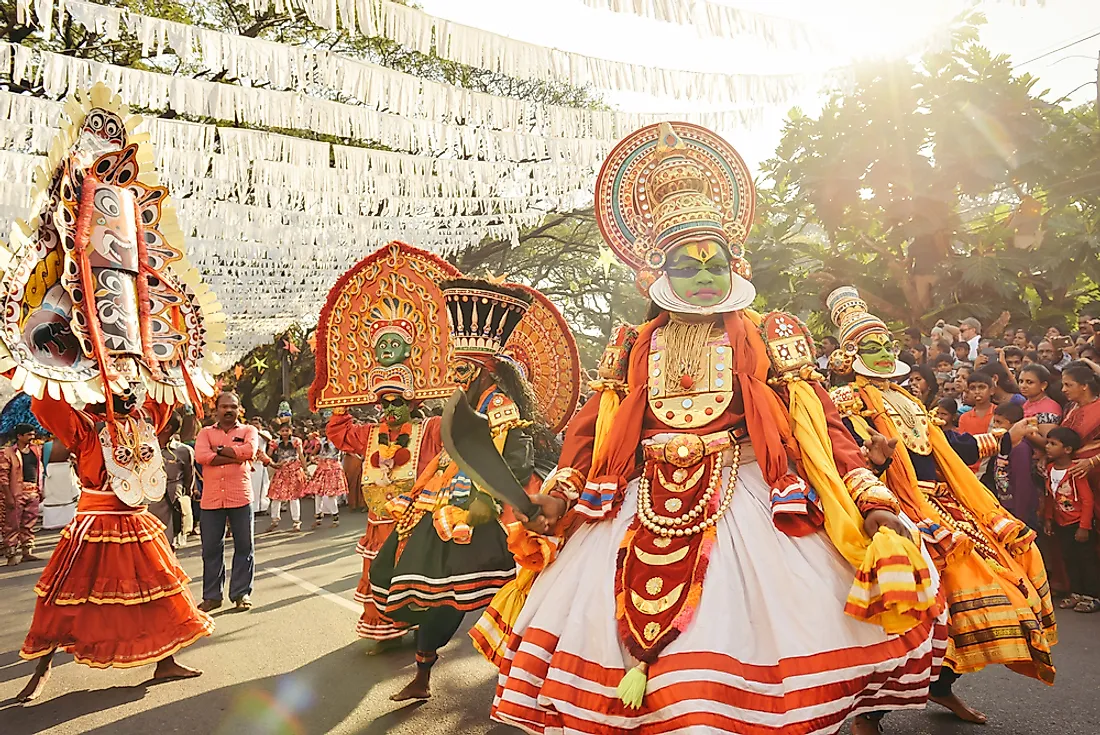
x,y
292,666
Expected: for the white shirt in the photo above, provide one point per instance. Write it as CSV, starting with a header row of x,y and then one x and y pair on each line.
x,y
974,342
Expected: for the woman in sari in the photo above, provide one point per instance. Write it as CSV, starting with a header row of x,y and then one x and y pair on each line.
x,y
1081,384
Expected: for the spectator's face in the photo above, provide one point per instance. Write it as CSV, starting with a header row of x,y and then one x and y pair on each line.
x,y
285,432
1014,362
1053,332
943,415
1055,449
950,389
1084,324
1046,352
1030,387
228,408
980,393
1010,334
25,438
1020,340
917,385
962,352
911,341
967,332
1000,422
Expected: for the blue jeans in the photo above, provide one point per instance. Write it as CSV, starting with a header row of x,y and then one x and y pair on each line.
x,y
212,523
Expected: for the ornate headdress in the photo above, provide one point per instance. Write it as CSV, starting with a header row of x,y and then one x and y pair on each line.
x,y
483,316
98,296
849,313
392,291
671,183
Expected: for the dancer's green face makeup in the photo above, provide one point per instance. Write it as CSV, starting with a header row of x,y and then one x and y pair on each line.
x,y
876,352
699,273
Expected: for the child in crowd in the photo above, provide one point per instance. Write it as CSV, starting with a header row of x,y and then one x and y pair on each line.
x,y
962,353
1014,479
289,483
979,393
1068,516
979,419
947,411
328,482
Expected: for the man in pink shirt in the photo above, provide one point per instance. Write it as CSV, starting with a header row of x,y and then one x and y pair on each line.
x,y
226,451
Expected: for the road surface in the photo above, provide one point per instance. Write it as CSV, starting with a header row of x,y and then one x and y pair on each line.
x,y
292,666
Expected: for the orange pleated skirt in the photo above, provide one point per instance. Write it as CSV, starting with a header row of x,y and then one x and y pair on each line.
x,y
113,593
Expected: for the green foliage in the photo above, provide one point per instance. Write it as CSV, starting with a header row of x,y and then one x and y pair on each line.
x,y
906,186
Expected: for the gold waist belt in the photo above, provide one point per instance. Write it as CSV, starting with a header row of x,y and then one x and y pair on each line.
x,y
686,450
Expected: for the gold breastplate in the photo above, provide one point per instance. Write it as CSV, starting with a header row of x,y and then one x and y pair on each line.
x,y
689,404
910,419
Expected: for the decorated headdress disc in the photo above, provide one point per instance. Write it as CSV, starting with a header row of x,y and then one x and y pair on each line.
x,y
671,183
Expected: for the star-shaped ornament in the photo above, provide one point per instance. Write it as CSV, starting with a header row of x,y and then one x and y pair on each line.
x,y
290,347
260,364
238,372
606,260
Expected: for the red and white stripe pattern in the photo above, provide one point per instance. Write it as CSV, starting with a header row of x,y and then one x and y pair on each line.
x,y
546,690
386,631
770,650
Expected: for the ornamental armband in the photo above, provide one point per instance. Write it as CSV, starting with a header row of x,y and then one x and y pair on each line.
x,y
790,348
989,444
869,493
615,361
566,482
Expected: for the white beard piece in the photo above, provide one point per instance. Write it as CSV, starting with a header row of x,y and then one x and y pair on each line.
x,y
742,294
900,370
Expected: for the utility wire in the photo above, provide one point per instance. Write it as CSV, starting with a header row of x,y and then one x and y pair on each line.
x,y
1060,48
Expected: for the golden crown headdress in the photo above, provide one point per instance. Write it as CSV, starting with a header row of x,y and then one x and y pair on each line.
x,y
671,183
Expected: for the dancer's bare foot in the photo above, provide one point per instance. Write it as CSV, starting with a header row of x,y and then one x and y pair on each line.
x,y
866,726
418,688
960,709
37,684
169,669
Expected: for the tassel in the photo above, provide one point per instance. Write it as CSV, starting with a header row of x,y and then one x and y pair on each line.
x,y
631,689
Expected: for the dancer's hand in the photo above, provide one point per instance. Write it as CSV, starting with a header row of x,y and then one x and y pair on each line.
x,y
553,508
877,519
878,449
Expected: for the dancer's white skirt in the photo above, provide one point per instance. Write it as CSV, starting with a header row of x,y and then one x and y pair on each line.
x,y
770,649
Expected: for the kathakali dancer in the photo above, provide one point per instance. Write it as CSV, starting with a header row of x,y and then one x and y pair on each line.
x,y
449,553
382,339
991,570
730,564
107,326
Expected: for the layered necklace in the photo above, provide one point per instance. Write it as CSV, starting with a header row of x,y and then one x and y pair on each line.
x,y
686,344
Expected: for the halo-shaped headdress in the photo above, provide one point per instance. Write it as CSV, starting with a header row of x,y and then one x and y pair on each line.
x,y
97,294
395,290
668,183
544,346
849,313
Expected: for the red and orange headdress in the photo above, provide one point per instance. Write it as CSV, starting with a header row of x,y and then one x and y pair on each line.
x,y
392,291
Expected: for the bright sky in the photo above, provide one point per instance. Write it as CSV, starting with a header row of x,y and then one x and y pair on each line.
x,y
1024,29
